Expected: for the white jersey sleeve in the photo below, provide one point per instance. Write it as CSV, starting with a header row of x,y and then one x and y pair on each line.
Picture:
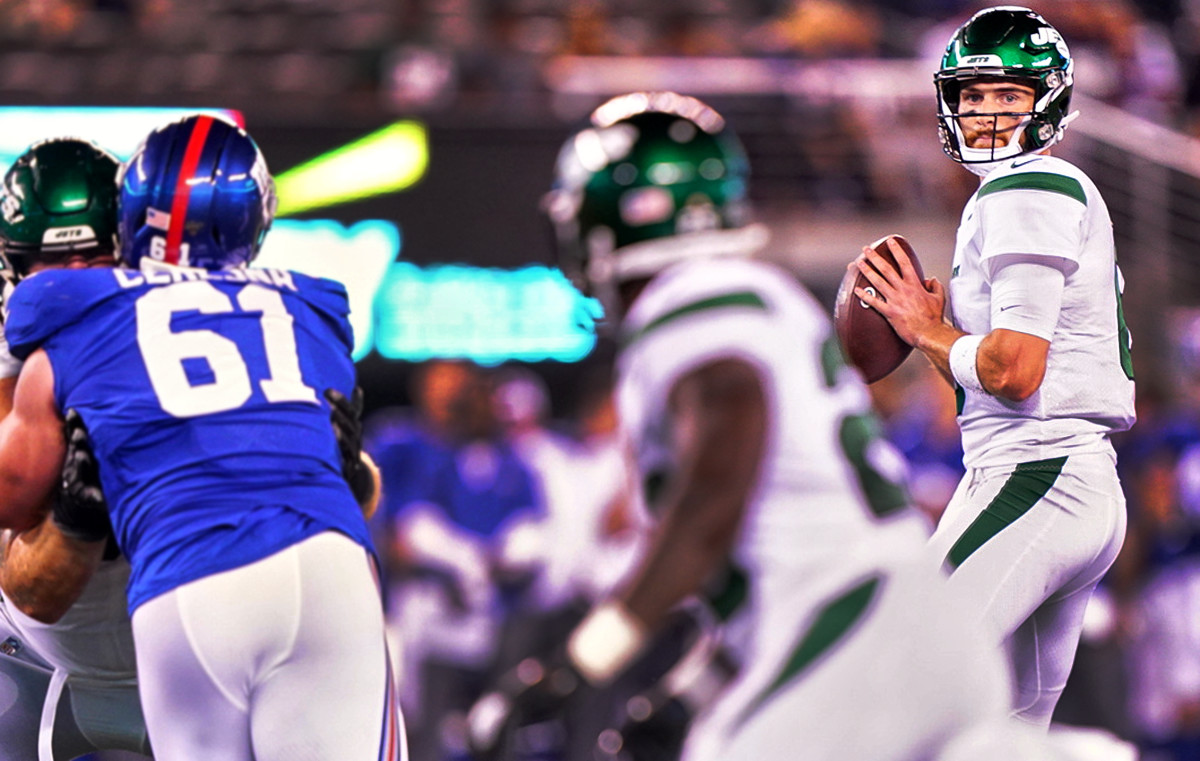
x,y
10,366
1040,213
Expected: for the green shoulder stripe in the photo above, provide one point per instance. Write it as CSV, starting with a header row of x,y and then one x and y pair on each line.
x,y
1055,183
736,299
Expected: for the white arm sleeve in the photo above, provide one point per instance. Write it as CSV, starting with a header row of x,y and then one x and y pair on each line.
x,y
1027,293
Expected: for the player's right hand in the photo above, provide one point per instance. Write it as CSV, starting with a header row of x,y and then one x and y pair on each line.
x,y
80,509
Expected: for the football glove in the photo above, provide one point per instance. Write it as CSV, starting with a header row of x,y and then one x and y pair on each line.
x,y
536,690
654,729
346,417
80,509
656,720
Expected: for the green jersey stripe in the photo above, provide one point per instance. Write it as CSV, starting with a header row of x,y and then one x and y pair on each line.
x,y
829,626
737,299
1055,183
1029,483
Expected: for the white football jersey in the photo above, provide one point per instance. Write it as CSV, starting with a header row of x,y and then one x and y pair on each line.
x,y
10,366
827,479
1044,206
94,638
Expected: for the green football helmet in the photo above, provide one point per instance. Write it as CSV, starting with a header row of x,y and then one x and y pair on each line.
x,y
1007,43
656,178
59,199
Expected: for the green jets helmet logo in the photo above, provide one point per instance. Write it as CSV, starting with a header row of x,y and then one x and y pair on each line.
x,y
10,208
1047,36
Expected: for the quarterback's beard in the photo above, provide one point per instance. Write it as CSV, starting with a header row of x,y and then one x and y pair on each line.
x,y
990,138
981,161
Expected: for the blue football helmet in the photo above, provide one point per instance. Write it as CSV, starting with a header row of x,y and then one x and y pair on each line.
x,y
196,193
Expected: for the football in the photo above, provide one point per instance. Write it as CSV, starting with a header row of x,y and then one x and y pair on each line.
x,y
867,338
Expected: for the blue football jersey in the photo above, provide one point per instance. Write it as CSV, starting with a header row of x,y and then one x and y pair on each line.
x,y
203,394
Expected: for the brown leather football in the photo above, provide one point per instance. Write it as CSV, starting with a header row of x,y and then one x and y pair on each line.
x,y
867,338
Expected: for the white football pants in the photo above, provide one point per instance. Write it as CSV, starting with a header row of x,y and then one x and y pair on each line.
x,y
1025,547
280,660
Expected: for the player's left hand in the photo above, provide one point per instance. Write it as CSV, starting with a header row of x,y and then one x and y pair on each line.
x,y
80,509
535,691
346,417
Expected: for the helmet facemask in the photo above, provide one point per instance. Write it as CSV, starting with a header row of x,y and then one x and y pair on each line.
x,y
1006,44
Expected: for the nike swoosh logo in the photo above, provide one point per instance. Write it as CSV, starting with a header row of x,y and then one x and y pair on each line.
x,y
1005,309
1023,163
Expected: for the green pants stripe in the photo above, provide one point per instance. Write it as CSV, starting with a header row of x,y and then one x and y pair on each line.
x,y
1025,487
831,623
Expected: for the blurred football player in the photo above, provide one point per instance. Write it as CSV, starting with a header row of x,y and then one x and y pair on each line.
x,y
762,462
76,675
1036,348
256,612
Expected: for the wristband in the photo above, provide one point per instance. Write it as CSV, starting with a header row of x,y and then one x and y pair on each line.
x,y
604,642
962,363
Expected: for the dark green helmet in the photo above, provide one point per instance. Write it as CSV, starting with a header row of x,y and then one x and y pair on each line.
x,y
658,177
59,199
1007,43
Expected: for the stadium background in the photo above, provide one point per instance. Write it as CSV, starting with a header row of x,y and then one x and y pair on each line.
x,y
833,100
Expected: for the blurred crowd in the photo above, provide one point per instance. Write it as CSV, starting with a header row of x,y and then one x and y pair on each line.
x,y
430,55
499,526
1141,55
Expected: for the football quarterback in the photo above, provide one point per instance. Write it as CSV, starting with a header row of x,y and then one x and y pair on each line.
x,y
1036,348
